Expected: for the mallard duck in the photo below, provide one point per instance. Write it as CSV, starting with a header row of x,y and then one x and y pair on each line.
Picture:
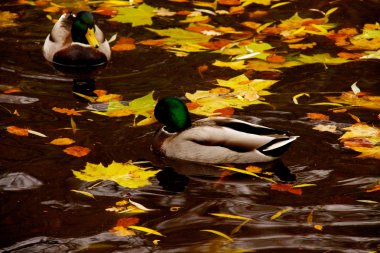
x,y
214,140
75,40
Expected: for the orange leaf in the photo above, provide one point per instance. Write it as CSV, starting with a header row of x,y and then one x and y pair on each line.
x,y
77,151
357,142
100,92
122,231
318,227
201,69
62,141
254,169
215,45
220,91
109,97
17,131
125,222
257,14
107,11
347,55
225,112
13,90
317,116
66,111
192,105
183,13
375,188
52,9
229,2
41,3
275,58
237,10
287,187
152,42
124,47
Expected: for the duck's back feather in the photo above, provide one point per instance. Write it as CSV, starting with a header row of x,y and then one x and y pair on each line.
x,y
224,140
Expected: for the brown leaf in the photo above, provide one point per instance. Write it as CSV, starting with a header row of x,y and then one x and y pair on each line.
x,y
77,151
317,116
17,131
286,187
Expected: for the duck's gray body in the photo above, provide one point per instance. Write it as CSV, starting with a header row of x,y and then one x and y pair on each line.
x,y
223,140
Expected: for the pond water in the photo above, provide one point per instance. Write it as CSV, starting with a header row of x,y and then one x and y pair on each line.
x,y
40,213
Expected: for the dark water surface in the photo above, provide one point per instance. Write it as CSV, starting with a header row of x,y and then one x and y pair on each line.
x,y
39,213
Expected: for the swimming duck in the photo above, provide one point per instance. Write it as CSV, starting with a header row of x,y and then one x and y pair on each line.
x,y
214,140
75,40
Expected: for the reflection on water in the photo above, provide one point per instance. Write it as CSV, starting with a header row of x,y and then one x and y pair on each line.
x,y
40,213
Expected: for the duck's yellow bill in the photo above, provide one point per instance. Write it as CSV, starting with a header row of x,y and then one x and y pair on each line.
x,y
91,38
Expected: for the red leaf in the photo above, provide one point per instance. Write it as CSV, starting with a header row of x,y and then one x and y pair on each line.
x,y
125,222
287,188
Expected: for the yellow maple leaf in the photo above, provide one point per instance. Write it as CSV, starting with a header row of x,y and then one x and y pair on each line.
x,y
350,98
373,152
235,65
125,174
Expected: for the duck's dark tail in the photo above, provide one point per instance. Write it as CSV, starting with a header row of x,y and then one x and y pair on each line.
x,y
277,147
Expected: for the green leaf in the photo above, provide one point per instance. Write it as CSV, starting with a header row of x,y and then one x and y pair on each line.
x,y
142,15
143,106
321,58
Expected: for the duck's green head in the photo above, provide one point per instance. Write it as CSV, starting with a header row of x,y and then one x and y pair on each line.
x,y
173,113
83,29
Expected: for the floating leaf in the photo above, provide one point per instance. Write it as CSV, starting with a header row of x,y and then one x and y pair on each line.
x,y
181,37
36,133
218,233
146,230
318,227
140,206
325,128
370,102
62,141
17,131
295,98
244,172
230,216
67,111
142,15
321,58
279,4
236,65
279,213
317,116
77,151
7,19
122,231
367,201
125,174
84,193
287,188
303,185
